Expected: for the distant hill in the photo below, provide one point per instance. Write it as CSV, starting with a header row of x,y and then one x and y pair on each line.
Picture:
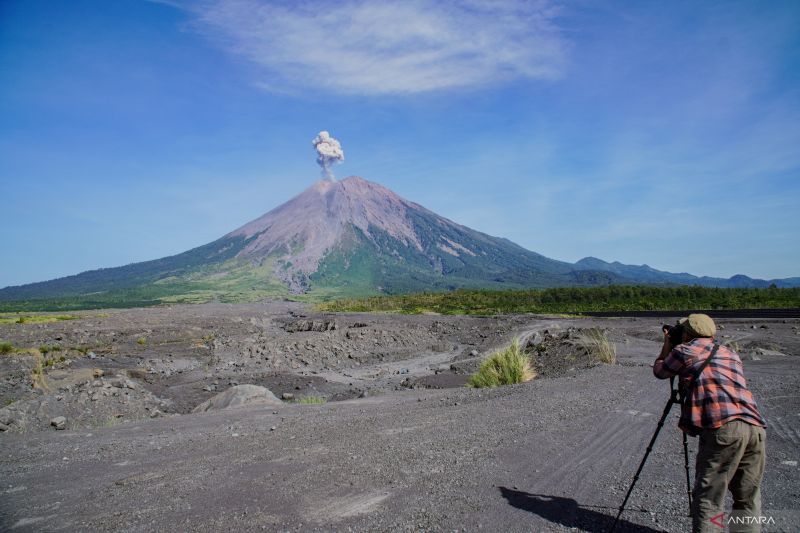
x,y
347,238
650,276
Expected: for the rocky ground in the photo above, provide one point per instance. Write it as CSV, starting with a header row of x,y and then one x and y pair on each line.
x,y
399,444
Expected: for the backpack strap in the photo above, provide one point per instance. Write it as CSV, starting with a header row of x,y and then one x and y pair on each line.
x,y
705,363
686,389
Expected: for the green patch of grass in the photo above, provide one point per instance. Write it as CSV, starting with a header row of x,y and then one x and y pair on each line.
x,y
35,319
141,341
505,367
596,343
311,400
6,348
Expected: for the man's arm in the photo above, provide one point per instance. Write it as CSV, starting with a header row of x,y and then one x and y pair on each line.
x,y
660,369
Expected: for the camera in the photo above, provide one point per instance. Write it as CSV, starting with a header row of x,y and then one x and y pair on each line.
x,y
675,333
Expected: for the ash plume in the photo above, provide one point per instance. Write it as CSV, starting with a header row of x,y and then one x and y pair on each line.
x,y
329,151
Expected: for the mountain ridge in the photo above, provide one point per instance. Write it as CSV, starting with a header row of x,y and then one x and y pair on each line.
x,y
349,237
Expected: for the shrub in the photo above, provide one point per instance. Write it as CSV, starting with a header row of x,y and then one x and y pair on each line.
x,y
6,348
311,399
141,340
54,361
504,367
597,344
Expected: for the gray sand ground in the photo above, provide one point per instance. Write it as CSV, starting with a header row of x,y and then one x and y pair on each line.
x,y
385,453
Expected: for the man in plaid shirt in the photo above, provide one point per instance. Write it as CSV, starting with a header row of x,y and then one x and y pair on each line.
x,y
720,410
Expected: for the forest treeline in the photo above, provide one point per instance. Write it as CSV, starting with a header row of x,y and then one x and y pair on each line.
x,y
573,300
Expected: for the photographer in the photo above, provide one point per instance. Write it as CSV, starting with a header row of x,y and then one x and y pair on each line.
x,y
719,408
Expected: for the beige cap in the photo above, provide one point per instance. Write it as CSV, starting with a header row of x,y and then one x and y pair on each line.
x,y
699,325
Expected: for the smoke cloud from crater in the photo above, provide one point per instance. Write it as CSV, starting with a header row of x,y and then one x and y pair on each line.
x,y
329,151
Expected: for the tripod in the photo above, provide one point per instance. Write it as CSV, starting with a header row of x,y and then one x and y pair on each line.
x,y
674,397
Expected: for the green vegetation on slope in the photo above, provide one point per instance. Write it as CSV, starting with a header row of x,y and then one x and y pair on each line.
x,y
573,300
134,277
233,281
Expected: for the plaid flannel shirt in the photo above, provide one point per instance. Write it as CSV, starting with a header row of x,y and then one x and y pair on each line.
x,y
720,393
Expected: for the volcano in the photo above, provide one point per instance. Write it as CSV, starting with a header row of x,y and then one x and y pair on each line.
x,y
345,238
356,233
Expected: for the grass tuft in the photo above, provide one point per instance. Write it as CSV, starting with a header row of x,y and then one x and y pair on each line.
x,y
141,341
505,367
597,344
38,379
6,348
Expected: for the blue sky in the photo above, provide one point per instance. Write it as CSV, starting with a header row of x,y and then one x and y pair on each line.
x,y
664,133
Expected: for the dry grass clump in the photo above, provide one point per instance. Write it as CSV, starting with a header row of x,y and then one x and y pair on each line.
x,y
311,400
504,367
734,345
596,342
38,379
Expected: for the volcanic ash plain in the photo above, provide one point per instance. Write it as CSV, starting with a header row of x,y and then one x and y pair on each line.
x,y
372,428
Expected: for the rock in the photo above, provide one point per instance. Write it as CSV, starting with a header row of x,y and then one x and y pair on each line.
x,y
97,373
155,413
473,353
59,422
92,355
287,396
535,340
7,416
238,396
4,427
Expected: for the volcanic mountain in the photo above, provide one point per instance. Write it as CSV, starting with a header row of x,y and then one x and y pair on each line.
x,y
337,238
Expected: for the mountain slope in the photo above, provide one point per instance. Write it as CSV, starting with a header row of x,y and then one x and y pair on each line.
x,y
345,238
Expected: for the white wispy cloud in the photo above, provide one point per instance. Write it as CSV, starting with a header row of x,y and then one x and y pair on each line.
x,y
388,47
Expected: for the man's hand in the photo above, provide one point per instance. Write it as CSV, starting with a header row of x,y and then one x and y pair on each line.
x,y
667,346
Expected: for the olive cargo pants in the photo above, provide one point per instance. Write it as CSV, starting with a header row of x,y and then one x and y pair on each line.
x,y
729,458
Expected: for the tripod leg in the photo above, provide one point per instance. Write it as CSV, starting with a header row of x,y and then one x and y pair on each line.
x,y
686,465
644,460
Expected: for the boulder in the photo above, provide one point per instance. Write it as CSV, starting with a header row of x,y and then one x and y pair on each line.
x,y
238,396
59,422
